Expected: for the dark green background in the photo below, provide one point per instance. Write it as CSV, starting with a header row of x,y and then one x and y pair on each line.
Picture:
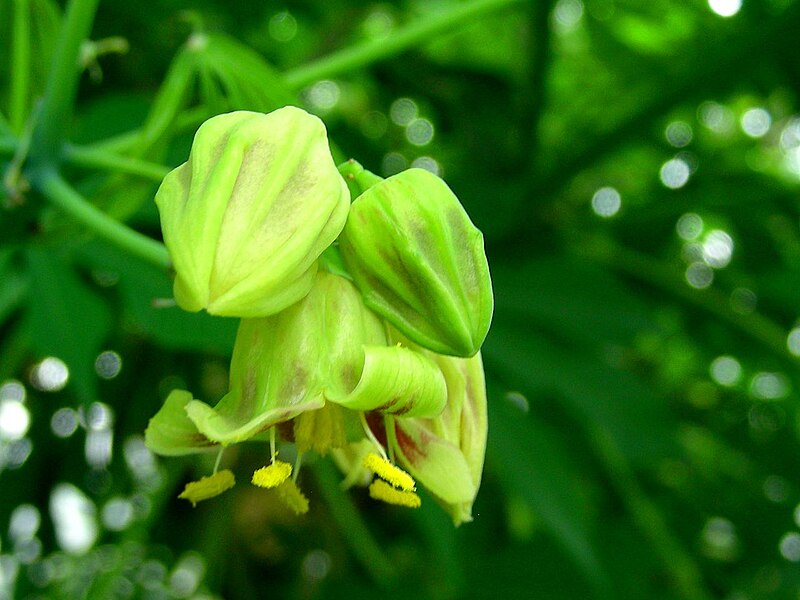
x,y
617,465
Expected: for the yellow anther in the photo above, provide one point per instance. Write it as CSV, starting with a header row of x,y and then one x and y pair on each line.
x,y
293,497
208,487
272,475
391,473
380,490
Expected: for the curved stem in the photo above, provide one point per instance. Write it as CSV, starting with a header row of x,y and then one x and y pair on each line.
x,y
20,65
62,195
62,81
676,561
83,156
351,524
8,145
755,325
402,39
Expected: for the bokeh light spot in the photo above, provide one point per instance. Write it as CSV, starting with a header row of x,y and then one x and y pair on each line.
x,y
427,163
699,275
282,26
606,202
674,173
24,522
108,364
50,375
756,122
716,117
74,520
725,8
790,546
726,370
373,124
117,514
403,111
719,539
769,386
679,134
393,163
324,95
64,422
420,132
568,13
717,249
15,420
689,226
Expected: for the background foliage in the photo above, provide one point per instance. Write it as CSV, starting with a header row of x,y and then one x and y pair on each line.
x,y
635,168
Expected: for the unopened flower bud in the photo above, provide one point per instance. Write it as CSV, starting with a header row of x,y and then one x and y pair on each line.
x,y
247,216
419,262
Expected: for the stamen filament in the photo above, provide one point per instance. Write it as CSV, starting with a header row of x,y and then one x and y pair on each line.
x,y
219,460
371,436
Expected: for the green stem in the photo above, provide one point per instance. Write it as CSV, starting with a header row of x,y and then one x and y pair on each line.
x,y
682,569
8,146
124,142
651,271
352,525
366,53
62,82
20,65
62,195
92,158
357,178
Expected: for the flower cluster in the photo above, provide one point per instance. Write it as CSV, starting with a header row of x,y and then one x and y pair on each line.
x,y
361,323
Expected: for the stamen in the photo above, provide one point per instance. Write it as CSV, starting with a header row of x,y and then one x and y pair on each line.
x,y
272,475
391,473
297,462
219,459
388,425
371,436
293,497
208,487
272,452
380,490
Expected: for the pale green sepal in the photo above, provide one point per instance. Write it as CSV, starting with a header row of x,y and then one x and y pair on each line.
x,y
171,432
434,462
399,381
224,424
275,375
464,421
457,437
249,214
419,262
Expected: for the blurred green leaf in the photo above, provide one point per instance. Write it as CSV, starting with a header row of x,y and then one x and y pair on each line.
x,y
141,287
530,460
66,319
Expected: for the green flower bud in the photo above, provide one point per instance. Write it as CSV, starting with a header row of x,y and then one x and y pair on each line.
x,y
326,348
419,262
446,454
247,216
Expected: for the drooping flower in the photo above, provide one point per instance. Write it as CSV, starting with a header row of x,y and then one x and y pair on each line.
x,y
321,363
